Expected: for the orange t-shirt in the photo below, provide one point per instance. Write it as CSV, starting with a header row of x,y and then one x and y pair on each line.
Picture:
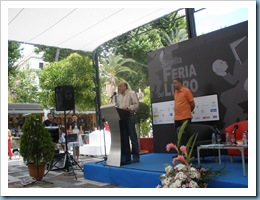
x,y
182,109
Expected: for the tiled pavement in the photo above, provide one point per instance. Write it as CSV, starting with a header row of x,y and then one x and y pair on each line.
x,y
18,176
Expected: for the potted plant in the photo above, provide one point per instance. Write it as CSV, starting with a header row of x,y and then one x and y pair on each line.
x,y
36,146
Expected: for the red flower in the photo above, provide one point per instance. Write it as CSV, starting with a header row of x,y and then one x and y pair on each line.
x,y
171,146
181,159
183,150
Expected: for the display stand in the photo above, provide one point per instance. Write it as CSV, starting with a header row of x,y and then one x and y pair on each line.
x,y
119,151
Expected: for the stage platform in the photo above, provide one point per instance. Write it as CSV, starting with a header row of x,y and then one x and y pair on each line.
x,y
146,174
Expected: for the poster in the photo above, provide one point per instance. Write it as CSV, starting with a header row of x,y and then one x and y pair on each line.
x,y
206,109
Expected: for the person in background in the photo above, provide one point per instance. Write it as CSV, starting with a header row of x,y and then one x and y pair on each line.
x,y
48,121
62,138
10,154
127,100
183,104
76,128
106,126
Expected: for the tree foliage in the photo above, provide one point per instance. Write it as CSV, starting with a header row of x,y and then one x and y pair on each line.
x,y
75,70
49,53
138,43
174,36
23,86
113,67
146,122
14,53
143,112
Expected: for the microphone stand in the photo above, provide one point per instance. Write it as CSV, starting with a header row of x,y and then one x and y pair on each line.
x,y
104,136
234,132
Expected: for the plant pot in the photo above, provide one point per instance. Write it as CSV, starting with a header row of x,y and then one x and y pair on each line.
x,y
35,171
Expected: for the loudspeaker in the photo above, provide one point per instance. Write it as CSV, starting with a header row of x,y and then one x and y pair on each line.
x,y
64,97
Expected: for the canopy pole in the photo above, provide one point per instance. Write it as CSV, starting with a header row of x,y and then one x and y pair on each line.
x,y
97,89
190,20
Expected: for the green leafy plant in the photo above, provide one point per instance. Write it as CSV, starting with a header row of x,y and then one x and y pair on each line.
x,y
36,144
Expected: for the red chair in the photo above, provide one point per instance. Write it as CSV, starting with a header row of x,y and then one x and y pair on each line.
x,y
242,126
147,144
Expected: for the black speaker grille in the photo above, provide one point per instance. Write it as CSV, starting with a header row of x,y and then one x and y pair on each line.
x,y
64,97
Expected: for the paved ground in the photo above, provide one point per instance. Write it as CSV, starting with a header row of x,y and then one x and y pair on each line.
x,y
18,176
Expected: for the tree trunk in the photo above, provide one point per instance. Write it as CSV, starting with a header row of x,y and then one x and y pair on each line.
x,y
57,55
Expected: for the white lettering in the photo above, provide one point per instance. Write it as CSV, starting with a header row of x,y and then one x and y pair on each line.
x,y
192,71
174,73
181,72
166,73
167,93
194,85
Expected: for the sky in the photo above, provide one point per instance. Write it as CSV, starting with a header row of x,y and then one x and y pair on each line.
x,y
206,20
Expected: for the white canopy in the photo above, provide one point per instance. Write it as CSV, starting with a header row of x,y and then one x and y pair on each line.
x,y
79,28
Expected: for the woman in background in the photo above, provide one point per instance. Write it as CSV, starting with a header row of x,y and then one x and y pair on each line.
x,y
76,128
10,154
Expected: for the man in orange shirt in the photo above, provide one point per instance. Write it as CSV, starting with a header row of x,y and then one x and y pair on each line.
x,y
184,103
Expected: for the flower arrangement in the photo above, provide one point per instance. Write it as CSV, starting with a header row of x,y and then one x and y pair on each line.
x,y
184,175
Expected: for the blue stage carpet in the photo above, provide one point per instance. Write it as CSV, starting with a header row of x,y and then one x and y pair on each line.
x,y
146,174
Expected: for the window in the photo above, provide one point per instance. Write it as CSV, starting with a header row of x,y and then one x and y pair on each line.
x,y
40,65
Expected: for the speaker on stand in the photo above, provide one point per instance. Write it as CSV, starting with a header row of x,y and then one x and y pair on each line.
x,y
64,97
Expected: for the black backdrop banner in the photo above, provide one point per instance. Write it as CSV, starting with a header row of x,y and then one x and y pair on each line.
x,y
214,63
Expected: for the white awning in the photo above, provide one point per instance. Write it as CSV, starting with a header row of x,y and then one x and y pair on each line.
x,y
24,108
79,27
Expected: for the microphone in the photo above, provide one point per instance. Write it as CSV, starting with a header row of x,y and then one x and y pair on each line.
x,y
234,132
114,94
216,128
235,128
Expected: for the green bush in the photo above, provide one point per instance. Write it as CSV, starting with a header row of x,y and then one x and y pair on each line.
x,y
36,143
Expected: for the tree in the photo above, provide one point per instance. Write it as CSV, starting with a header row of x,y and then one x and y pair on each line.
x,y
75,70
174,36
112,69
14,53
51,54
137,43
142,115
24,87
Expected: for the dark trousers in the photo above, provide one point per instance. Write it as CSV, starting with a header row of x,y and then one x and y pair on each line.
x,y
178,124
133,137
127,128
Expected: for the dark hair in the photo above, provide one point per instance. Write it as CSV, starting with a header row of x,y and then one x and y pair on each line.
x,y
126,85
178,79
49,114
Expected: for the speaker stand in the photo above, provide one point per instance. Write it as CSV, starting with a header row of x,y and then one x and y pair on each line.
x,y
69,160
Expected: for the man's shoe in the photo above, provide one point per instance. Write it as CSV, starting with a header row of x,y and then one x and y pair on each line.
x,y
126,162
136,160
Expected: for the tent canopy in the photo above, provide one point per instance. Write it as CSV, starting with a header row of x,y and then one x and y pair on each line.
x,y
77,28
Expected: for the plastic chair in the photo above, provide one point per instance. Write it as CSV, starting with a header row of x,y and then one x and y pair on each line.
x,y
242,127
